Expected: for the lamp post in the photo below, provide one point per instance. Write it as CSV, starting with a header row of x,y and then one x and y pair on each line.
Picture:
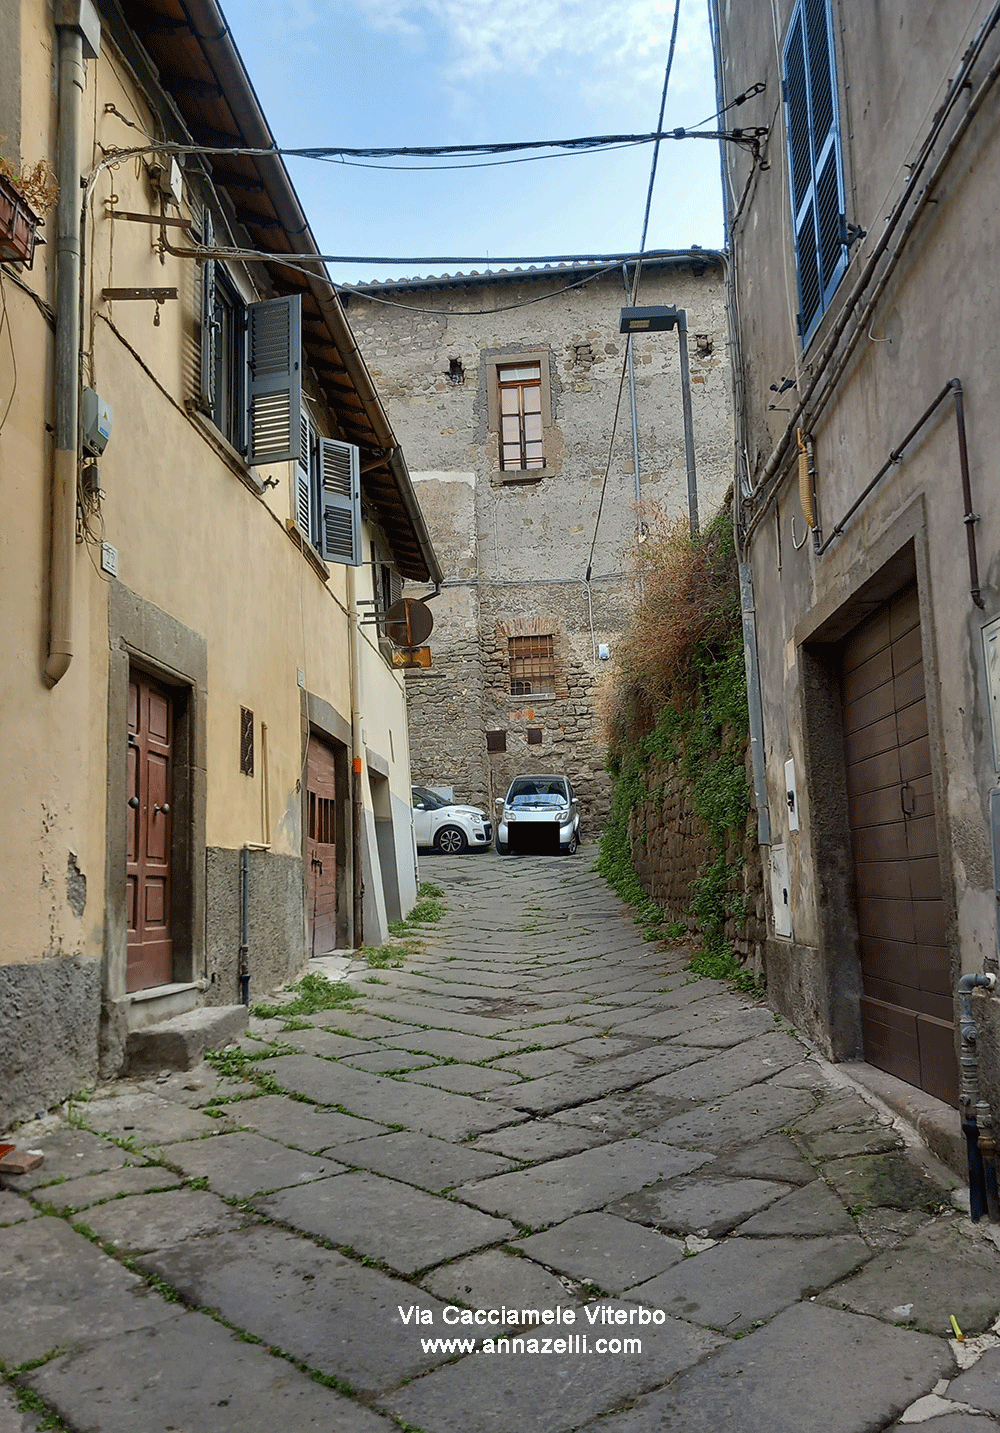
x,y
659,319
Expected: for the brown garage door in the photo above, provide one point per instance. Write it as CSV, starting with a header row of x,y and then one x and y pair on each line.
x,y
906,1010
321,847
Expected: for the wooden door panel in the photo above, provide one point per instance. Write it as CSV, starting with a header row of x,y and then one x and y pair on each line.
x,y
148,860
321,847
907,1011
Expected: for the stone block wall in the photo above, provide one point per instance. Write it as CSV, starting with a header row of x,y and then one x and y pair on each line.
x,y
671,847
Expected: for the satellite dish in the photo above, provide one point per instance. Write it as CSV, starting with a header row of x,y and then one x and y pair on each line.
x,y
408,622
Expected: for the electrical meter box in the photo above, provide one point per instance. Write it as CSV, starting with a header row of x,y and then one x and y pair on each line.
x,y
98,420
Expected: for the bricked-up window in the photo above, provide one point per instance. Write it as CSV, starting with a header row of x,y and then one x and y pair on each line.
x,y
532,664
520,388
246,741
496,741
534,736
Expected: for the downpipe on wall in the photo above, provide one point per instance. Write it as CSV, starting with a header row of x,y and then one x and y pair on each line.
x,y
244,956
977,1117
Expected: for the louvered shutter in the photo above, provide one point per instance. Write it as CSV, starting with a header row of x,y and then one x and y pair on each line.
x,y
395,586
339,502
206,379
304,479
274,366
814,160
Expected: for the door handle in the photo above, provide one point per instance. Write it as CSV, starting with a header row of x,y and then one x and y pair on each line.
x,y
165,808
133,801
907,799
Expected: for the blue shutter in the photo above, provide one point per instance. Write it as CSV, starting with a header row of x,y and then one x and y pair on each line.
x,y
339,502
274,365
814,160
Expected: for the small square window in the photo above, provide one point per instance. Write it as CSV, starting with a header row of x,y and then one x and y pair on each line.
x,y
534,736
496,741
532,665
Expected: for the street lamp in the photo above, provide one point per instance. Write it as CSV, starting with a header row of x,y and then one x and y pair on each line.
x,y
659,319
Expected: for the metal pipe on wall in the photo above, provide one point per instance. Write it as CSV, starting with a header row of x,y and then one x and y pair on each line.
x,y
357,766
70,21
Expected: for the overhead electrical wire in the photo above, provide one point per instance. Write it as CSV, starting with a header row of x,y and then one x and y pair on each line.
x,y
635,289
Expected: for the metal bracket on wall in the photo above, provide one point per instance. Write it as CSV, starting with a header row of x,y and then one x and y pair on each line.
x,y
158,296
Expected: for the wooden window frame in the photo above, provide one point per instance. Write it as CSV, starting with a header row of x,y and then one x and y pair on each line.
x,y
510,359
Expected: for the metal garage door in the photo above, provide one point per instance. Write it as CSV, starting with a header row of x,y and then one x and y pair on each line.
x,y
906,1009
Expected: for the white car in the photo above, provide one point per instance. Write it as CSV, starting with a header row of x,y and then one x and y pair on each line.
x,y
448,828
539,813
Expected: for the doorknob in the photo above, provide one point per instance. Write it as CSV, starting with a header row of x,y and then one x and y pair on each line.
x,y
165,808
133,801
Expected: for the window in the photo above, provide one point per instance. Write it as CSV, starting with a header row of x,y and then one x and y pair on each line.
x,y
532,665
387,585
496,741
520,387
246,741
814,160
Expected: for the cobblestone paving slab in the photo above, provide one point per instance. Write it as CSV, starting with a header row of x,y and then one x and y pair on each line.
x,y
12,1420
145,1118
301,1125
14,1209
436,1112
612,1253
433,1164
556,1092
436,1018
733,1070
537,1064
775,1157
980,1385
388,1221
538,1140
94,1188
808,1371
242,1164
56,1288
322,1308
942,1269
362,1025
742,1281
68,1153
390,1062
497,1280
496,1393
812,1210
580,1182
623,1114
448,1045
956,1423
152,1221
196,1087
701,1204
740,1118
319,1041
194,1375
464,1079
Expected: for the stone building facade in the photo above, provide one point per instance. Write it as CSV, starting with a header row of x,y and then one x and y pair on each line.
x,y
537,541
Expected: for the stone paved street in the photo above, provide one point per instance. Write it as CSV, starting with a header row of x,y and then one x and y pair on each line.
x,y
538,1111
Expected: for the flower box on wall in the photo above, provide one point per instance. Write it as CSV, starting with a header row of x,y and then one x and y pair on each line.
x,y
18,225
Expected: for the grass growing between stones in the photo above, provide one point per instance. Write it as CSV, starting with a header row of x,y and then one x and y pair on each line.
x,y
314,992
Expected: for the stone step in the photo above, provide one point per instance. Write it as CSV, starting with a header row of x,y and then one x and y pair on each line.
x,y
180,1043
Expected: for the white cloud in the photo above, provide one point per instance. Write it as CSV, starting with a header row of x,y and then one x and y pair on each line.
x,y
616,49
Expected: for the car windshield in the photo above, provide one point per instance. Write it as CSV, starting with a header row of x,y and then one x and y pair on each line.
x,y
538,792
427,799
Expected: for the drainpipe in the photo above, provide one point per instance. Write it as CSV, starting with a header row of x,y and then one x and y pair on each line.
x,y
754,704
357,746
244,967
977,1120
78,32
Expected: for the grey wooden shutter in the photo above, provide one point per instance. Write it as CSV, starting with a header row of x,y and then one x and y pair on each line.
x,y
206,379
274,368
339,502
304,479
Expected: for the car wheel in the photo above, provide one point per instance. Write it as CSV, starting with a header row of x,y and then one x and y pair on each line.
x,y
571,844
502,847
450,841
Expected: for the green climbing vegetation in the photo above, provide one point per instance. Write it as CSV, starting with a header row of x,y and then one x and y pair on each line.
x,y
678,697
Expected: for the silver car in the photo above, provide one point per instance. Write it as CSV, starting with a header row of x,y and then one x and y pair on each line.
x,y
539,813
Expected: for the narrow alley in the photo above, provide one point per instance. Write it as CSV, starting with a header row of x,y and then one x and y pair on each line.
x,y
536,1176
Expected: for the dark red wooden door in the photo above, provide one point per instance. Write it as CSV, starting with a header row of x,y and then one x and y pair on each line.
x,y
147,878
907,1011
321,848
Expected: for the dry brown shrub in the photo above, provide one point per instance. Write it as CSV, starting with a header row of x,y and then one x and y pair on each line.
x,y
37,184
687,593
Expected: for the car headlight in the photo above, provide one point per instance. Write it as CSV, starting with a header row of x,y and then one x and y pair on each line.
x,y
562,816
509,816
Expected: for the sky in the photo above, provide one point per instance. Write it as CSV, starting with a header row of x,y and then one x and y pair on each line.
x,y
417,72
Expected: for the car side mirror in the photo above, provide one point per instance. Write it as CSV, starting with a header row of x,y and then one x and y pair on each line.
x,y
498,803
